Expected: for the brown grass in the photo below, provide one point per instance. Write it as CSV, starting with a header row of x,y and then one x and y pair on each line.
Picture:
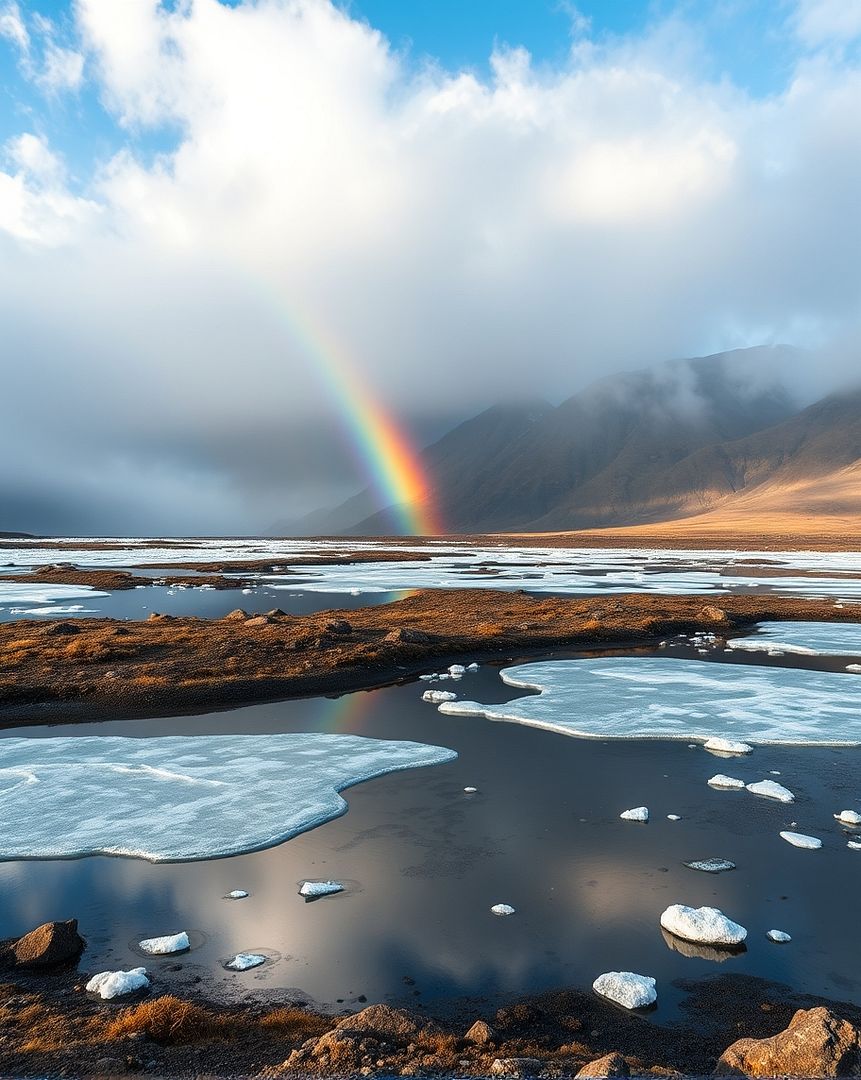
x,y
168,1019
295,1024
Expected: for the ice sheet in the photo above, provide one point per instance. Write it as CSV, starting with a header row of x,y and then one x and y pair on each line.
x,y
174,798
812,638
644,697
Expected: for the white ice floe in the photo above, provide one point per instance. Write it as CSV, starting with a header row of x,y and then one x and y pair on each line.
x,y
19,592
770,789
436,697
470,790
711,866
854,668
168,943
673,817
800,840
628,697
243,961
626,988
429,678
638,813
313,889
855,845
111,984
848,817
719,780
237,894
804,638
502,909
705,925
779,936
727,746
472,667
247,592
456,669
175,798
55,609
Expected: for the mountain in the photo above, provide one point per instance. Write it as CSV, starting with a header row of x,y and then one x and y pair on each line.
x,y
640,447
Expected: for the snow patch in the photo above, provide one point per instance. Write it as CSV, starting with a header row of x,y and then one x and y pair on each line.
x,y
800,840
111,984
705,925
169,943
172,798
626,988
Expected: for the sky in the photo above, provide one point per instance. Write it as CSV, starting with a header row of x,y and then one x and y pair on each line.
x,y
202,203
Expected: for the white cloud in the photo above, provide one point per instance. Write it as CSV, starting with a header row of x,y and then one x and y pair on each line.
x,y
463,237
820,22
62,69
12,26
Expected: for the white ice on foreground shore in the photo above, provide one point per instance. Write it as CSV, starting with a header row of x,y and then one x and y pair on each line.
x,y
779,936
626,988
770,789
728,746
626,697
720,780
704,926
801,840
805,638
111,984
312,889
173,798
243,961
168,943
638,813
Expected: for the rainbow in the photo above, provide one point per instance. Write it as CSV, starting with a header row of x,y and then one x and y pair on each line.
x,y
397,473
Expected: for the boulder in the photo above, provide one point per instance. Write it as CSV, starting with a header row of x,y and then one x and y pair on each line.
x,y
515,1066
480,1033
608,1065
237,615
48,945
341,627
816,1043
395,1024
258,620
711,613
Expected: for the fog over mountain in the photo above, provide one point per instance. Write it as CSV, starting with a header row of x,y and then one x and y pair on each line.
x,y
270,174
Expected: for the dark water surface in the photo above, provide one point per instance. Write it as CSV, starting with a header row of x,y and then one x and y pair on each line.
x,y
424,862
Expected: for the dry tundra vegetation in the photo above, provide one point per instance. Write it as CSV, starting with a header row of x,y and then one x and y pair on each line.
x,y
165,662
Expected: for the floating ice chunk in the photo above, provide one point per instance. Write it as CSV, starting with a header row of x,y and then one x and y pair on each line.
x,y
848,817
673,817
648,697
719,780
853,667
436,697
638,813
470,790
312,889
237,894
247,592
502,909
174,798
779,936
770,789
797,839
626,988
728,746
429,678
804,638
456,669
711,866
111,984
472,667
243,961
855,845
705,925
169,943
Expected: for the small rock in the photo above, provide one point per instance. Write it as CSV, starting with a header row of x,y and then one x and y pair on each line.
x,y
408,636
712,613
49,944
515,1066
480,1033
609,1065
340,626
816,1043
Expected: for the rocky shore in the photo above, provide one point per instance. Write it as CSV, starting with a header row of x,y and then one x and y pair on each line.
x,y
733,1026
62,669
